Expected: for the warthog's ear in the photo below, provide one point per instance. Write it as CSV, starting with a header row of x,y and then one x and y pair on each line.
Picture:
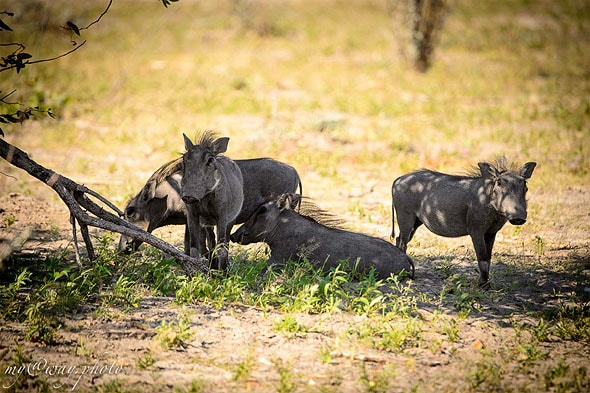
x,y
488,171
149,191
527,169
188,144
220,145
288,201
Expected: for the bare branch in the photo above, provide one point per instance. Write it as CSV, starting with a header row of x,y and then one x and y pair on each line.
x,y
100,16
58,57
74,196
3,99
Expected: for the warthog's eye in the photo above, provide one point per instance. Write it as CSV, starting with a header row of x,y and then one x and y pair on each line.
x,y
261,210
210,161
499,182
129,211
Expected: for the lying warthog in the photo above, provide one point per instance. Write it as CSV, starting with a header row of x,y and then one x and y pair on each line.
x,y
158,203
212,190
454,206
292,236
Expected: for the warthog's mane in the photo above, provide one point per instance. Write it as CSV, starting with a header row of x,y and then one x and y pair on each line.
x,y
310,210
166,170
207,139
500,163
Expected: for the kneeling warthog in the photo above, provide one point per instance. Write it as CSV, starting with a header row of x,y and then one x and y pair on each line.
x,y
292,236
455,206
159,204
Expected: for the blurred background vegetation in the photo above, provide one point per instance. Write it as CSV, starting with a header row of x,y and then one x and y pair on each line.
x,y
327,86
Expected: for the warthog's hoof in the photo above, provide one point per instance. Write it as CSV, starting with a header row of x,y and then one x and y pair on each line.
x,y
486,285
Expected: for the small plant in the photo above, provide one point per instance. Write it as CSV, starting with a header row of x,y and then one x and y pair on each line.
x,y
541,331
197,386
562,378
146,360
289,326
126,291
9,219
389,333
451,330
11,378
285,370
174,334
376,382
529,353
539,245
464,297
244,368
486,375
8,295
326,354
82,348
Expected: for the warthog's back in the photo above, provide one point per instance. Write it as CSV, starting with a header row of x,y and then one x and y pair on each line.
x,y
263,178
159,204
301,237
440,201
292,236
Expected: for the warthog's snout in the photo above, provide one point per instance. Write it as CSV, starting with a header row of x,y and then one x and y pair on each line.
x,y
517,218
517,221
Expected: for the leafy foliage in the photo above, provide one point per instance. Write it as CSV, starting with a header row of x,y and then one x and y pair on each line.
x,y
18,59
21,114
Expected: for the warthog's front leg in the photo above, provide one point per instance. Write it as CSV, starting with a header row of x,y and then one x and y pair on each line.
x,y
193,227
483,259
221,250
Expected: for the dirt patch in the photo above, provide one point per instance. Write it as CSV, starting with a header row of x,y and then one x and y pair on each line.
x,y
239,348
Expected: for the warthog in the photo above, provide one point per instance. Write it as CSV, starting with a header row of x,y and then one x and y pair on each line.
x,y
212,190
293,236
158,203
454,206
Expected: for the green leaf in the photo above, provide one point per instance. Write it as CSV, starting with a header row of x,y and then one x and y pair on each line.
x,y
8,118
24,56
73,27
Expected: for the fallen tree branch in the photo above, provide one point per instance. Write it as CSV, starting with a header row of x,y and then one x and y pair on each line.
x,y
75,197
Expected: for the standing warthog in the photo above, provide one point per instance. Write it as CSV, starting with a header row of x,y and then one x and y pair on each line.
x,y
455,206
159,204
212,190
292,236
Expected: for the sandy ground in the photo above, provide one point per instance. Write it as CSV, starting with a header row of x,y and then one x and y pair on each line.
x,y
94,352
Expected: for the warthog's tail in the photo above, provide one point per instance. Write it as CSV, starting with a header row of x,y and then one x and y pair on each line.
x,y
300,193
392,219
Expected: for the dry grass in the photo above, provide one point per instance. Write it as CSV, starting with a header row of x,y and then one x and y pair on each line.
x,y
321,86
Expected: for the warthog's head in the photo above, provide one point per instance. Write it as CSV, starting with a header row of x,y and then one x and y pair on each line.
x,y
264,220
509,190
137,212
200,173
